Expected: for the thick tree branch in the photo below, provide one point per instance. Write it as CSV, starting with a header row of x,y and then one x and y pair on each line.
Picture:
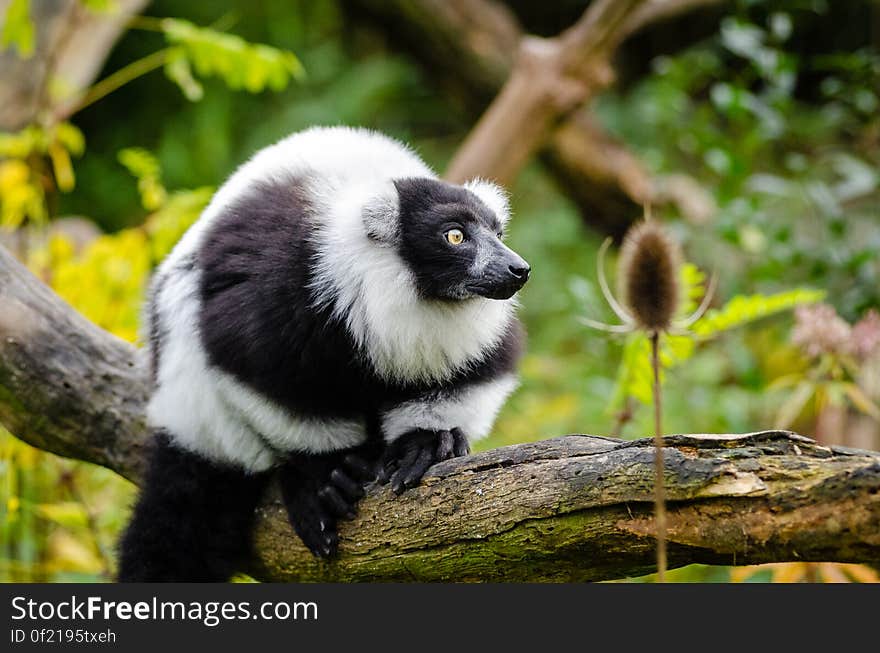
x,y
550,78
572,508
67,386
470,48
579,508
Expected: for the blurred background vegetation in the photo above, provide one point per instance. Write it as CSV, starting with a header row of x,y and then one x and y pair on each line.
x,y
771,107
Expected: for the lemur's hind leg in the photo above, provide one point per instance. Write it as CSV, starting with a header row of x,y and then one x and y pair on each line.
x,y
408,458
321,489
193,519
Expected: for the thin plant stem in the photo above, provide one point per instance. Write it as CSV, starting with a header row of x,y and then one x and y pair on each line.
x,y
659,488
146,23
118,79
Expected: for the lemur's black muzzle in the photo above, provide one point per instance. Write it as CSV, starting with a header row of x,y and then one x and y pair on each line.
x,y
503,276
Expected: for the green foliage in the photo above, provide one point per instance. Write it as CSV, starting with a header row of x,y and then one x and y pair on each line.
x,y
106,280
145,167
785,137
742,310
23,158
242,65
100,6
18,29
635,376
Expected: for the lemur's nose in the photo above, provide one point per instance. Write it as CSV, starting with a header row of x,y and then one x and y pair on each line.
x,y
520,271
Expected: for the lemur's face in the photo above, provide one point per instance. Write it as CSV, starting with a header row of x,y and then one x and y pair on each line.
x,y
452,242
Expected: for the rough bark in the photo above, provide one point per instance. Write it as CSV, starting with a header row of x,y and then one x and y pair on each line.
x,y
66,385
71,46
571,508
470,48
579,508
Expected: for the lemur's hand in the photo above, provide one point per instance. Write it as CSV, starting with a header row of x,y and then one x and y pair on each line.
x,y
408,458
318,491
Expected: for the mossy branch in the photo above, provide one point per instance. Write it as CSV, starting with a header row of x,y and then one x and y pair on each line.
x,y
571,508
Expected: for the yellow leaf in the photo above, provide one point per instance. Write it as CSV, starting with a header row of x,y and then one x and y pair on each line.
x,y
69,553
62,168
67,513
13,504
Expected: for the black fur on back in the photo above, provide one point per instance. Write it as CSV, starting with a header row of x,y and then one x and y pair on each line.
x,y
193,519
258,320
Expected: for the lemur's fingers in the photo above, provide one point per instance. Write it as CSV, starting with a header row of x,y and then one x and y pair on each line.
x,y
359,468
347,486
319,535
385,471
445,446
408,476
461,447
332,499
314,526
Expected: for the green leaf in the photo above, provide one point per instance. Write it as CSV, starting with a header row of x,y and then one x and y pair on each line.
x,y
635,376
71,138
65,513
20,145
178,70
18,29
145,168
100,6
167,225
744,309
240,64
693,283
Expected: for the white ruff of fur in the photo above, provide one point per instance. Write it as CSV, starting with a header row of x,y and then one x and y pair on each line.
x,y
473,410
493,196
405,337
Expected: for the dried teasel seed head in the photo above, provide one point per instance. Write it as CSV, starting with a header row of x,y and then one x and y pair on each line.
x,y
647,276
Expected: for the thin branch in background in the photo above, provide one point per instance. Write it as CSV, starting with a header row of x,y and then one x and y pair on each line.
x,y
114,81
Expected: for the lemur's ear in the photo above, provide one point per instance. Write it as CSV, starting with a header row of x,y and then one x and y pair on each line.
x,y
493,196
381,215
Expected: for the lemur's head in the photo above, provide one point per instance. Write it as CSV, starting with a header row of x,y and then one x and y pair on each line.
x,y
450,237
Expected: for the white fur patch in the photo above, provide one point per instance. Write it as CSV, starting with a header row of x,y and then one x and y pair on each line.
x,y
284,431
473,410
337,156
374,294
493,196
186,402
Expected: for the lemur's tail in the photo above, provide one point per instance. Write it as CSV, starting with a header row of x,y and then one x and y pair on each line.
x,y
192,521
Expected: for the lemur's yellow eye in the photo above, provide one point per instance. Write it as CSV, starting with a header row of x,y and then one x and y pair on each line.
x,y
455,236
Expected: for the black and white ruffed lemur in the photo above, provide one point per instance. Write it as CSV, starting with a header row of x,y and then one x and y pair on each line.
x,y
337,312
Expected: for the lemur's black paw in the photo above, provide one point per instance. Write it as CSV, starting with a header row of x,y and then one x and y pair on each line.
x,y
314,524
409,457
458,444
345,486
320,490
